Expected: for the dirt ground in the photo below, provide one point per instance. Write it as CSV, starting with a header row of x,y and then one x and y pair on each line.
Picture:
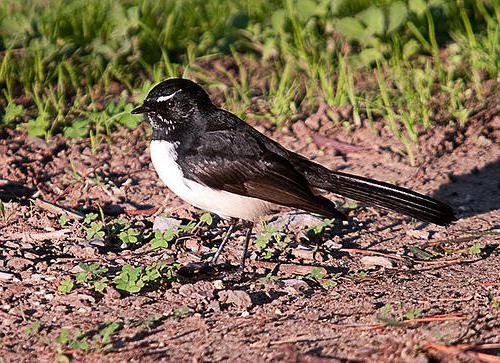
x,y
411,309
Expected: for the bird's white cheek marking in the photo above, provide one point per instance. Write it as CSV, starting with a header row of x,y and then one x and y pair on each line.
x,y
225,204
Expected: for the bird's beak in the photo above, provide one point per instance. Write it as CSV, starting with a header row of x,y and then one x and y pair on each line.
x,y
140,109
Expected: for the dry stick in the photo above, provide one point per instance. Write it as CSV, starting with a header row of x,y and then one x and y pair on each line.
x,y
484,357
57,209
376,253
358,327
141,212
43,236
490,284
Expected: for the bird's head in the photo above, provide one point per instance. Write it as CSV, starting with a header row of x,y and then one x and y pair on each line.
x,y
173,101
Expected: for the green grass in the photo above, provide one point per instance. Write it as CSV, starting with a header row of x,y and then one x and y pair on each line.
x,y
75,67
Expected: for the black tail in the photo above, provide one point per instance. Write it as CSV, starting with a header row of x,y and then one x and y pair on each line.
x,y
380,194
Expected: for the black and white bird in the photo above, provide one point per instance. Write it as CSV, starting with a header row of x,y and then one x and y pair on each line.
x,y
215,161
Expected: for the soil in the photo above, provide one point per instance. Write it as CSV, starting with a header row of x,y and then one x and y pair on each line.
x,y
400,307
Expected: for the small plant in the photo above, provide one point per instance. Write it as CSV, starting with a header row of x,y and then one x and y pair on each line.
x,y
65,286
95,230
162,239
133,279
90,217
316,273
34,328
266,239
86,341
315,233
12,113
92,276
129,235
412,314
129,279
63,220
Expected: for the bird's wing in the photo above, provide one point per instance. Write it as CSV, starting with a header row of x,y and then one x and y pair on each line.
x,y
235,161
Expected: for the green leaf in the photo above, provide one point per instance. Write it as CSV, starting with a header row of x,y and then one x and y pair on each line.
x,y
38,126
397,16
63,220
90,217
206,218
369,55
12,112
475,249
417,6
95,230
161,239
373,18
109,329
420,253
129,236
129,120
307,9
351,28
412,314
100,285
81,277
278,20
65,286
33,328
410,48
129,279
78,129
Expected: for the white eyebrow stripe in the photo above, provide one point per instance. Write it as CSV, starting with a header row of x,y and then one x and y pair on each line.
x,y
166,98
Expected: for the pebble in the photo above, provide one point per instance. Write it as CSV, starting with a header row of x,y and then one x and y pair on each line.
x,y
376,261
238,298
332,245
5,276
164,223
19,263
295,221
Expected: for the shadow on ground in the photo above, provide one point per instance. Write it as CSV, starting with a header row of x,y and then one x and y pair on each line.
x,y
473,193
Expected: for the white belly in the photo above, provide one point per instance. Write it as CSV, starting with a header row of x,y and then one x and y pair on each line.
x,y
225,204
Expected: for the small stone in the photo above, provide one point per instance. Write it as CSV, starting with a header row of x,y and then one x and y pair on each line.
x,y
415,233
165,223
5,276
79,252
111,293
296,283
76,269
376,261
218,284
214,306
238,298
332,245
97,242
295,221
18,263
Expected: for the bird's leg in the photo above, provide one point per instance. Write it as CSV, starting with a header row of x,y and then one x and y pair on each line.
x,y
245,246
224,241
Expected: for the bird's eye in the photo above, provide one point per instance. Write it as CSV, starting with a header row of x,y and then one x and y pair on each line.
x,y
170,104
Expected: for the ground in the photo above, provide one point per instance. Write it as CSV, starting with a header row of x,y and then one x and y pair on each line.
x,y
433,294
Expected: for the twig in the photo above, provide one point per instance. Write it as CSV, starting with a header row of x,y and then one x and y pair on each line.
x,y
141,212
57,209
376,253
308,338
42,236
456,349
490,284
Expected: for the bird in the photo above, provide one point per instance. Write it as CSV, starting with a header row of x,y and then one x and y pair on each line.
x,y
217,162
